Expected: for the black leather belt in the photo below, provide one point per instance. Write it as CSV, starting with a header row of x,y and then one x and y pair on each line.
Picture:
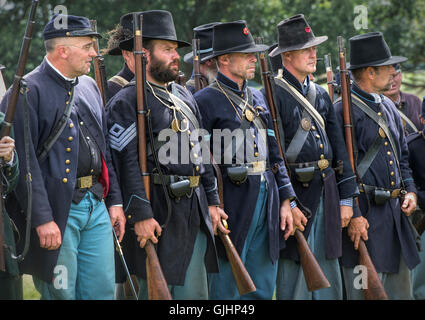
x,y
168,179
395,193
86,182
321,164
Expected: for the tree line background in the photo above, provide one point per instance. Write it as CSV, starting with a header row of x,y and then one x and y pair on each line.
x,y
401,22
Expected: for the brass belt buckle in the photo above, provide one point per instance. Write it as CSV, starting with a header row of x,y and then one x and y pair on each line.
x,y
194,181
323,164
258,166
395,193
86,182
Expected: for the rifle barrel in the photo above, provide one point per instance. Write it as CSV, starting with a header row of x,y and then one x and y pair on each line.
x,y
157,285
375,290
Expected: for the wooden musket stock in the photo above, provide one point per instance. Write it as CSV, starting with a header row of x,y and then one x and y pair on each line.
x,y
313,273
375,290
157,285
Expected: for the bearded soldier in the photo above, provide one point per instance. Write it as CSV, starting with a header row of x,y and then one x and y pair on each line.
x,y
208,67
181,216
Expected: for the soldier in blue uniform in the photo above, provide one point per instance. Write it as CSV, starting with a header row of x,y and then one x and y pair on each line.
x,y
121,33
315,152
181,216
408,105
10,278
256,187
71,254
208,67
387,191
416,144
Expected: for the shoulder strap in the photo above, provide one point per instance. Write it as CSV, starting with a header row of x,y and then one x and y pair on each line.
x,y
119,80
50,141
381,123
281,82
298,140
407,121
245,124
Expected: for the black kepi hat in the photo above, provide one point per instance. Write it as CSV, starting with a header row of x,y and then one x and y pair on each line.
x,y
157,24
205,35
371,50
61,25
295,33
232,37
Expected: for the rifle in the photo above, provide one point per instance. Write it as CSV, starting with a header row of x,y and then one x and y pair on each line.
x,y
5,131
313,273
329,75
157,285
99,66
181,78
375,290
242,278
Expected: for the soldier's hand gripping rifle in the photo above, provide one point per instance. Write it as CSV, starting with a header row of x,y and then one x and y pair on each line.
x,y
329,75
99,66
157,285
242,278
313,273
5,131
375,290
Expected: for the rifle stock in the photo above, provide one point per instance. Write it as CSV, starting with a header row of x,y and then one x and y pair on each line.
x,y
375,290
313,273
242,278
156,283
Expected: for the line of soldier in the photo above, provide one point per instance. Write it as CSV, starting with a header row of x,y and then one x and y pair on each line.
x,y
89,180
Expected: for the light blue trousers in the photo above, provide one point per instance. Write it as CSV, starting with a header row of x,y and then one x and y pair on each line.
x,y
255,256
195,284
290,281
85,269
396,285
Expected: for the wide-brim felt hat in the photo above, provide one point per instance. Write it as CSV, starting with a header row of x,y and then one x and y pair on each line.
x,y
61,25
157,25
231,37
276,61
205,35
371,50
295,33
